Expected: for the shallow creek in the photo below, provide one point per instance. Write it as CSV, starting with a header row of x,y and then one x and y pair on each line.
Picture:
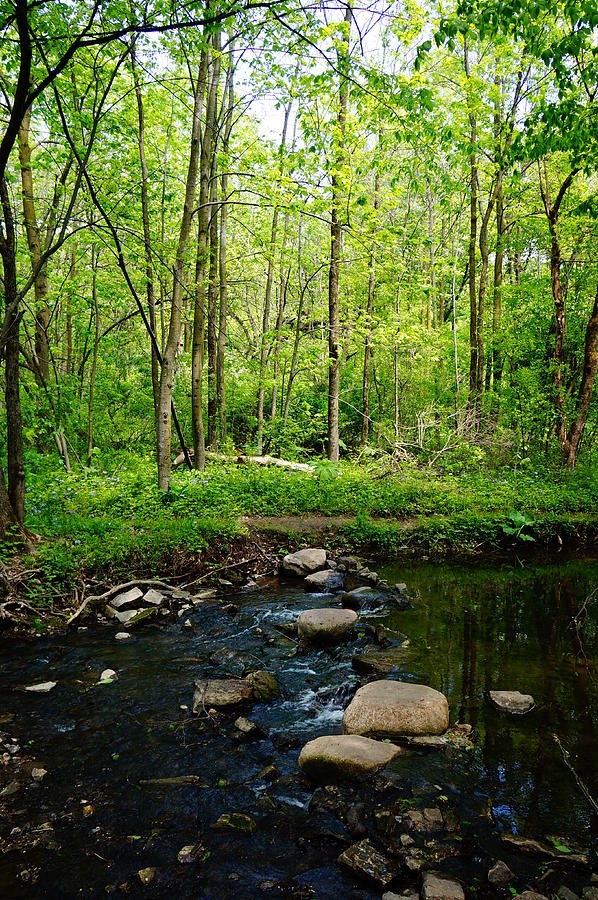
x,y
89,826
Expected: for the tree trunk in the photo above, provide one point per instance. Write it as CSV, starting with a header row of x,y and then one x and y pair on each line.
x,y
174,328
223,309
94,359
34,241
365,419
473,227
264,344
335,243
210,142
588,377
147,240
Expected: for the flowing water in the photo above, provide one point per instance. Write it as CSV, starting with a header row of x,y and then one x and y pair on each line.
x,y
90,825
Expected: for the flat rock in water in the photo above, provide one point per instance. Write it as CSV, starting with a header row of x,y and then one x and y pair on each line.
x,y
122,636
304,562
380,662
356,598
42,688
154,598
459,737
126,599
364,860
325,626
325,581
131,616
435,888
512,702
327,758
544,850
395,708
220,692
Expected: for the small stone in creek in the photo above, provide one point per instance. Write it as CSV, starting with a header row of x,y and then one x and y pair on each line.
x,y
108,675
146,876
122,636
38,774
41,688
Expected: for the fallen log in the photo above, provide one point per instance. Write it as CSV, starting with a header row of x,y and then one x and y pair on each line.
x,y
241,459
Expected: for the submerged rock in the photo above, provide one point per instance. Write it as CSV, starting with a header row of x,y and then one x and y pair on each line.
x,y
332,756
395,708
220,692
380,662
304,562
192,853
325,581
365,861
237,822
533,847
435,888
356,598
325,626
512,702
42,688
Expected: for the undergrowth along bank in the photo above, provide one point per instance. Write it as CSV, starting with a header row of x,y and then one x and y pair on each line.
x,y
113,518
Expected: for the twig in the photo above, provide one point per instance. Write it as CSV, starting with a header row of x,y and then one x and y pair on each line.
x,y
580,784
236,565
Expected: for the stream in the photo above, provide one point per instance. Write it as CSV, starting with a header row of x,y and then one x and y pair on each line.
x,y
89,826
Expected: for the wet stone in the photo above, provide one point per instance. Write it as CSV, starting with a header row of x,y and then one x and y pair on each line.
x,y
131,616
42,688
325,626
192,853
38,774
530,895
365,861
237,822
395,708
500,875
324,582
512,702
264,686
220,692
435,888
565,893
333,756
424,820
304,562
108,675
122,636
147,875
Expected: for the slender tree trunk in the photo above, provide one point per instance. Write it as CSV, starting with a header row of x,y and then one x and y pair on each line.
x,y
209,146
174,329
147,240
584,397
12,327
365,419
473,227
336,242
264,343
223,309
94,358
42,311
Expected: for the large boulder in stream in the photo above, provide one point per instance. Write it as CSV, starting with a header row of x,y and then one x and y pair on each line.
x,y
328,758
395,708
325,626
304,562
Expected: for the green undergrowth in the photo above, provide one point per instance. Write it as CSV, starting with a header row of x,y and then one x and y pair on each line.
x,y
114,517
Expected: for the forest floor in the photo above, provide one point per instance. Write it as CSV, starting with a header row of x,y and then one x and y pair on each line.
x,y
101,526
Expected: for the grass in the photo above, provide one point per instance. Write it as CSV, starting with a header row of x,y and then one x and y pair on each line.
x,y
114,518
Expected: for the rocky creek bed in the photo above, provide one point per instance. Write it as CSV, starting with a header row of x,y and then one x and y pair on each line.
x,y
123,772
